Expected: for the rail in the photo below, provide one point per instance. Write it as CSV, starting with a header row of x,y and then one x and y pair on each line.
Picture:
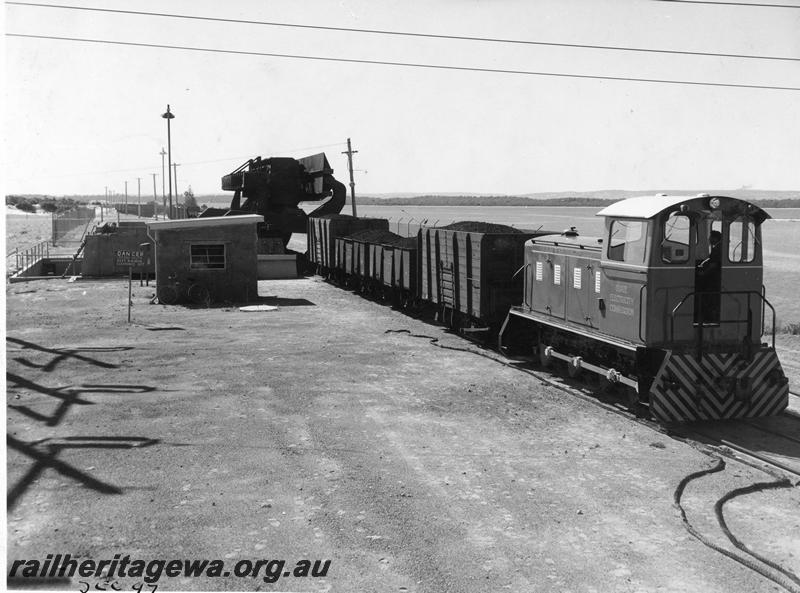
x,y
748,320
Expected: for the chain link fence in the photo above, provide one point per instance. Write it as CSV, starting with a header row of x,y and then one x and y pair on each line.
x,y
66,222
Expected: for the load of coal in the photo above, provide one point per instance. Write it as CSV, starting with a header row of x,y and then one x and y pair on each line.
x,y
376,236
470,226
406,243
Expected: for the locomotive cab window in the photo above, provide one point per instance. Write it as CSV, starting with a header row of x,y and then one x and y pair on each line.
x,y
742,240
676,240
207,256
628,241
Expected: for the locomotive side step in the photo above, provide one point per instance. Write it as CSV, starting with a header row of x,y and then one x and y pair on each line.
x,y
474,330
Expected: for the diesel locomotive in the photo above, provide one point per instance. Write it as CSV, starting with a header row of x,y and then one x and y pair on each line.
x,y
668,302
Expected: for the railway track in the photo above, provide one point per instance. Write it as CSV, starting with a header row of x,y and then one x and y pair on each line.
x,y
771,444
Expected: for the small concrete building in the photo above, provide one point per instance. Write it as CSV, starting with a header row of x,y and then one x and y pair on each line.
x,y
205,260
103,243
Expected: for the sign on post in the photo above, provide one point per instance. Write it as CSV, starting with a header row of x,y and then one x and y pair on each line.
x,y
127,257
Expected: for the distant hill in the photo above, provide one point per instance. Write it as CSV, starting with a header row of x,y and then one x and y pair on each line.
x,y
764,198
767,199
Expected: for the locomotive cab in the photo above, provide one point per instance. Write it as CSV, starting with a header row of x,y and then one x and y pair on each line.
x,y
695,264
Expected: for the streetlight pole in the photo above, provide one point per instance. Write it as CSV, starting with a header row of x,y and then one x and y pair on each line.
x,y
168,116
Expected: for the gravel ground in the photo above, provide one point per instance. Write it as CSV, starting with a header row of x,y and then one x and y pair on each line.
x,y
309,432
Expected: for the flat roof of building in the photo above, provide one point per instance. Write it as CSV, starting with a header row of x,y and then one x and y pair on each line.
x,y
210,221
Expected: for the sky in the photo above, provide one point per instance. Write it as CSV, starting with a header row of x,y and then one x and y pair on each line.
x,y
82,117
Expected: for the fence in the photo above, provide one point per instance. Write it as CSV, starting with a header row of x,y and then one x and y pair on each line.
x,y
409,227
149,209
27,257
66,222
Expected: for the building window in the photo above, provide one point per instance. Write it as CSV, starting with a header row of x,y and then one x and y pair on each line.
x,y
207,257
628,241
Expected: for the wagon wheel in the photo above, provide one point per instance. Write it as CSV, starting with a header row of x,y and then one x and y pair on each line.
x,y
199,295
167,295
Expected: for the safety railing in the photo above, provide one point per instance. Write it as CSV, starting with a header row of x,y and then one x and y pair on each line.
x,y
21,260
700,323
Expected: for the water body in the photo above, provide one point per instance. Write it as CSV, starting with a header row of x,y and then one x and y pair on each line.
x,y
781,233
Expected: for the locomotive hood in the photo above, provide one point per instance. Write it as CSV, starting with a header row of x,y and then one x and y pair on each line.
x,y
652,206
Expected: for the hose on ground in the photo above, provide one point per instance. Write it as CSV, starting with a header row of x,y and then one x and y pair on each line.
x,y
782,579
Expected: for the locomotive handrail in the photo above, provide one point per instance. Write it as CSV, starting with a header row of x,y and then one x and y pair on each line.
x,y
518,271
641,291
749,293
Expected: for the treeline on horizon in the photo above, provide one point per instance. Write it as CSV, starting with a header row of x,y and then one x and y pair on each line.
x,y
586,202
787,199
45,203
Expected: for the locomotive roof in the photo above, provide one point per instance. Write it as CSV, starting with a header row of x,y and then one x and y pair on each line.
x,y
651,206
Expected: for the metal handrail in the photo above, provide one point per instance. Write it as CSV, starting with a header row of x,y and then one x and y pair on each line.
x,y
641,300
749,294
29,256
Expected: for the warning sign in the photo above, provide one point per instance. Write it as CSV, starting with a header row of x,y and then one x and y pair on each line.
x,y
125,257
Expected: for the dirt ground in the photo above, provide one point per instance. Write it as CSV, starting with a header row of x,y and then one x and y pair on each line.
x,y
326,430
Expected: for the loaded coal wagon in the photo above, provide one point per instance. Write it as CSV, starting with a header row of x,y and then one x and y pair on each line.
x,y
471,272
322,233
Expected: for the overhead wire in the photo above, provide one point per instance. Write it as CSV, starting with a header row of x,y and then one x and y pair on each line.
x,y
406,33
408,64
186,164
753,4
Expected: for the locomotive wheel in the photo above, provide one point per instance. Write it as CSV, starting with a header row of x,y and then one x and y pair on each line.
x,y
544,360
573,368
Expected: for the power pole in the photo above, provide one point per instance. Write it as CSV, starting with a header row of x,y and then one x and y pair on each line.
x,y
155,197
126,197
163,181
139,200
175,175
350,152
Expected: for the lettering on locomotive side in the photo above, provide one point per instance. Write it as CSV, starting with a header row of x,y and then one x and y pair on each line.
x,y
614,308
618,298
621,304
